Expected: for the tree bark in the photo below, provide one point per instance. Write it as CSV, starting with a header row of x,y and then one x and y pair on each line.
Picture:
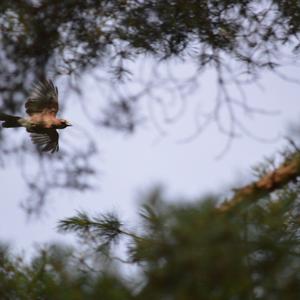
x,y
285,173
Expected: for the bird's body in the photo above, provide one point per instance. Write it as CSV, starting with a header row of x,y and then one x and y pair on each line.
x,y
40,121
42,107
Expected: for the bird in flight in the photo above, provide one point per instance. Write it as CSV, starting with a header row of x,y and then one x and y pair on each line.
x,y
41,123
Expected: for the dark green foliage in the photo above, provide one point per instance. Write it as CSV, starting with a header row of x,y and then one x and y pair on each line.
x,y
104,228
54,273
183,251
249,253
195,251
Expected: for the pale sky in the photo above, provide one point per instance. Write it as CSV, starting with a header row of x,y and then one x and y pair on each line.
x,y
130,165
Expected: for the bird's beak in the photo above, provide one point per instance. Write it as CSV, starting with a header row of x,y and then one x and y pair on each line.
x,y
68,124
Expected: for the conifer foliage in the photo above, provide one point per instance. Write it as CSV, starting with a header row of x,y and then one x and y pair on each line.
x,y
185,250
246,247
104,39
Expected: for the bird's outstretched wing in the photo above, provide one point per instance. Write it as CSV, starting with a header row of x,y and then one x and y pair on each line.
x,y
43,99
45,139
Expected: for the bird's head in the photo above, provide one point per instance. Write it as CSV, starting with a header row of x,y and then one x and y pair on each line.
x,y
65,123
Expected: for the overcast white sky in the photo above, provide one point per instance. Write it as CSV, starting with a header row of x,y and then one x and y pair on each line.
x,y
131,165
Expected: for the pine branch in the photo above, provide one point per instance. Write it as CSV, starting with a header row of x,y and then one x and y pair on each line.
x,y
287,172
105,227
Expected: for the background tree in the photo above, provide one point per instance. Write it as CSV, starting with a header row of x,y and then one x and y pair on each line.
x,y
245,248
39,39
182,251
213,250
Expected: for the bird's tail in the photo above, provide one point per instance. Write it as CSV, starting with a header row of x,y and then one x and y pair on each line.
x,y
9,121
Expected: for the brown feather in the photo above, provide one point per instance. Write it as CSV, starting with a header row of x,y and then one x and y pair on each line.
x,y
45,139
43,100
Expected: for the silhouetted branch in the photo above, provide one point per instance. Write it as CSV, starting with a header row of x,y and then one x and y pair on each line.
x,y
107,40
